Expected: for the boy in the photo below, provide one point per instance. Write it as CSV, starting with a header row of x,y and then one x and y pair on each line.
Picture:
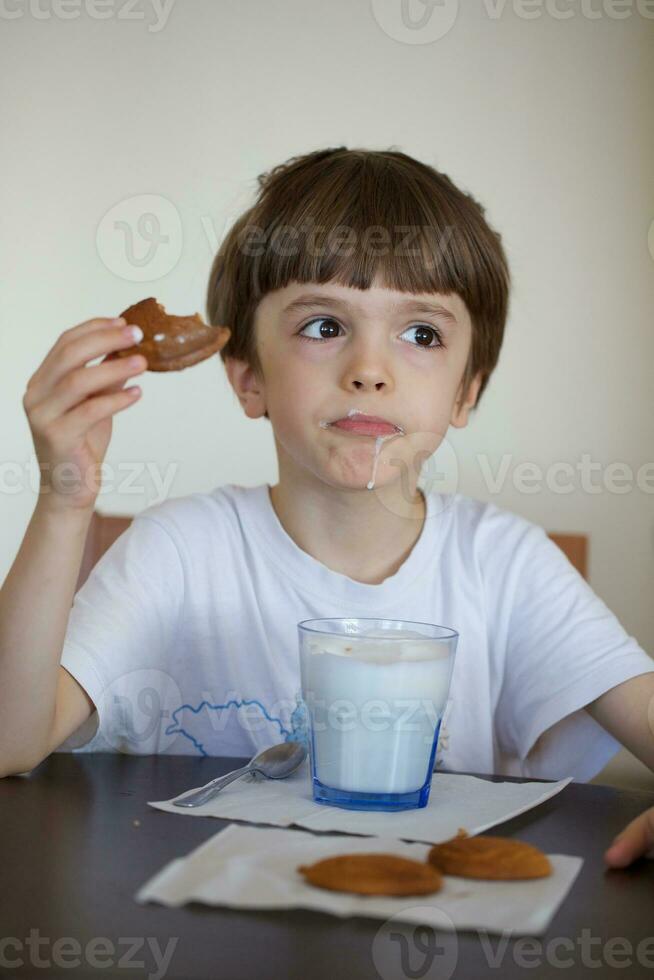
x,y
360,283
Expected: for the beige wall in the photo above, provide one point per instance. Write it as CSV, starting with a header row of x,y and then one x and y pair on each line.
x,y
547,121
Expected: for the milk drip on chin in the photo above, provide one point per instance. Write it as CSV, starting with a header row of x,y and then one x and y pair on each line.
x,y
370,485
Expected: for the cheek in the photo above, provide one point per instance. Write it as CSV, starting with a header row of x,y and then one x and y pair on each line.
x,y
431,377
296,371
292,392
433,390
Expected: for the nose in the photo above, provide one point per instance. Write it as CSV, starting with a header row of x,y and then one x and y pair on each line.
x,y
359,384
367,370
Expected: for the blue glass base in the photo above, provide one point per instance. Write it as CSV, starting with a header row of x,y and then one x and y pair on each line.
x,y
350,800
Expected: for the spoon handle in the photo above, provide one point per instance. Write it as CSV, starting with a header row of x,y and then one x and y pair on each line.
x,y
207,792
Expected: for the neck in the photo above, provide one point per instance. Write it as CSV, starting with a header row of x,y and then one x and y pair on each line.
x,y
364,534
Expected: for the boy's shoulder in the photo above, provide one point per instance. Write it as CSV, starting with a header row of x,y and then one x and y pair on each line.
x,y
496,540
485,519
207,512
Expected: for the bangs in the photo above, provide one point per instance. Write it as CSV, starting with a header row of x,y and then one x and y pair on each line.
x,y
352,219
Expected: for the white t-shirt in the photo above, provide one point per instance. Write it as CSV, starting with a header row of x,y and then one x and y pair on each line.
x,y
185,634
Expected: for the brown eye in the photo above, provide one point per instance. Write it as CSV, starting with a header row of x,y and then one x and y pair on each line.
x,y
327,331
426,333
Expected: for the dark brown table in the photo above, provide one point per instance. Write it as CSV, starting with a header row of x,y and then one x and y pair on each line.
x,y
72,859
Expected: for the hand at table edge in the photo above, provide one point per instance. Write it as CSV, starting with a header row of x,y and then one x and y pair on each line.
x,y
636,840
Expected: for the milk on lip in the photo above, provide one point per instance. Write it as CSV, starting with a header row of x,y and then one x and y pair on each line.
x,y
379,441
374,706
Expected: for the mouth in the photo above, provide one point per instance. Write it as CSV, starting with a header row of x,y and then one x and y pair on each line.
x,y
366,425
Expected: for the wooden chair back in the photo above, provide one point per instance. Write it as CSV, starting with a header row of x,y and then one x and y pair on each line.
x,y
105,528
575,548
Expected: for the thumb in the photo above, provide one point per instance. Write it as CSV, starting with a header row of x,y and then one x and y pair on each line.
x,y
636,840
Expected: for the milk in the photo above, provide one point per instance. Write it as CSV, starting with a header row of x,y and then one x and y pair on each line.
x,y
379,442
374,705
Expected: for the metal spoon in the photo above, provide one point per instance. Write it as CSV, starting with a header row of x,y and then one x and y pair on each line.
x,y
277,762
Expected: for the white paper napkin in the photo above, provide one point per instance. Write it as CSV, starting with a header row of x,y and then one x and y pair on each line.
x,y
455,801
256,868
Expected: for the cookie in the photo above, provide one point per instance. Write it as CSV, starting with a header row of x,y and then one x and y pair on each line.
x,y
170,343
489,857
373,874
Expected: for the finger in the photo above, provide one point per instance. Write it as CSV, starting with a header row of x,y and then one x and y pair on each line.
x,y
76,423
634,841
76,353
96,323
117,385
110,389
84,382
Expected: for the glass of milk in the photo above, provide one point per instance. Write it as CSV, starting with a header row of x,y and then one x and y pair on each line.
x,y
374,691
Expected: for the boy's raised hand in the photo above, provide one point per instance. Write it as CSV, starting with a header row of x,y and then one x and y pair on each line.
x,y
70,406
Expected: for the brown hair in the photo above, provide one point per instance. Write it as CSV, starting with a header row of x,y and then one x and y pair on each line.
x,y
435,239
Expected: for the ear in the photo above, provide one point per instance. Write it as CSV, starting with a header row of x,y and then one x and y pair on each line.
x,y
248,387
460,412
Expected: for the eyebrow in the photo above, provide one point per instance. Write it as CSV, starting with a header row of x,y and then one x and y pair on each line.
x,y
417,306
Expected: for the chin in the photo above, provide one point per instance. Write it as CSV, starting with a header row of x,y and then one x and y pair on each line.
x,y
358,478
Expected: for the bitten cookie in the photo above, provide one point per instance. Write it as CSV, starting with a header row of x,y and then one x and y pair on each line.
x,y
171,343
489,857
373,874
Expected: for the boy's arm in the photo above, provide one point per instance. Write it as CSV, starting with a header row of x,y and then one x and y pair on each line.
x,y
35,603
626,711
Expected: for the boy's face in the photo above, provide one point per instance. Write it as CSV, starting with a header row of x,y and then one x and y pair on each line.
x,y
379,356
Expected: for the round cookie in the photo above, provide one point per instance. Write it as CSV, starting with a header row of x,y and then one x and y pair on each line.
x,y
373,874
489,857
170,343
